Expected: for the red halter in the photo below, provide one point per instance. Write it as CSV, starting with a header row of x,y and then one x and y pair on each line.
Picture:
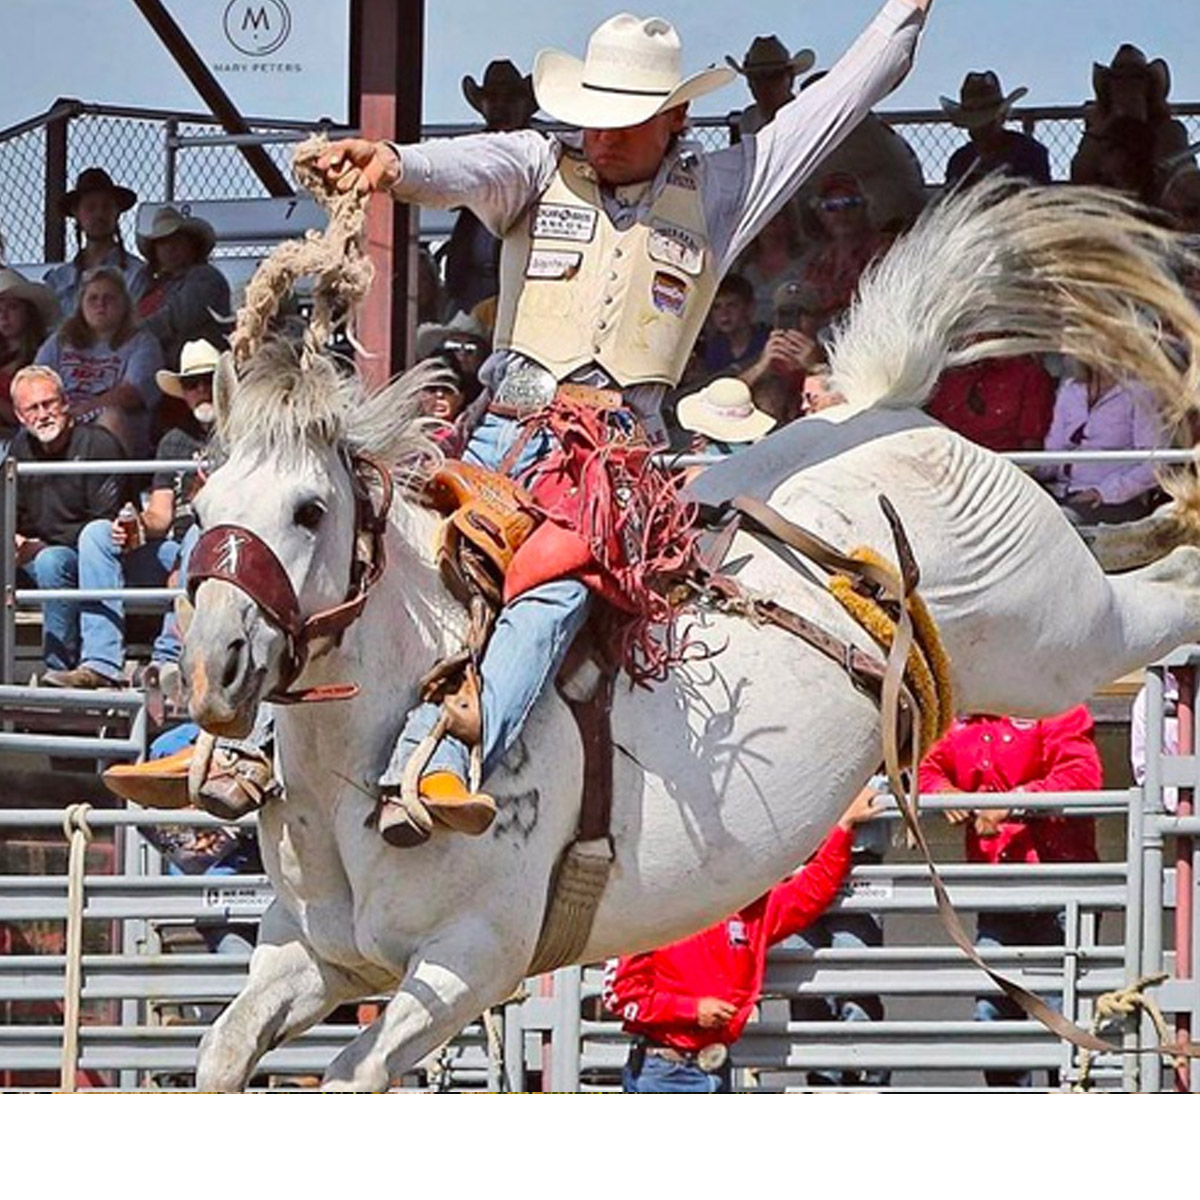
x,y
239,556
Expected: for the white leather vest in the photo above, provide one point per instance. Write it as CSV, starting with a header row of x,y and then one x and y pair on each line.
x,y
574,289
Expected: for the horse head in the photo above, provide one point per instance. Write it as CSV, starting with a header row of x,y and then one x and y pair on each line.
x,y
292,525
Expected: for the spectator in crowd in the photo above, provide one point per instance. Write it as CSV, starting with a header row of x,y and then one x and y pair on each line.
x,y
444,400
107,364
722,417
884,164
1093,411
188,299
1125,162
986,755
1170,735
733,340
772,258
472,255
111,556
685,1004
1129,88
1000,403
770,70
1181,202
53,509
793,350
28,311
981,109
846,931
463,339
96,203
850,243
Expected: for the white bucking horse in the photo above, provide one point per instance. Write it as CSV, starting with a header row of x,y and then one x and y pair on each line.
x,y
728,774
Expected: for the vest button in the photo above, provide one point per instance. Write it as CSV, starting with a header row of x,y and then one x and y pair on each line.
x,y
601,324
617,252
608,299
612,276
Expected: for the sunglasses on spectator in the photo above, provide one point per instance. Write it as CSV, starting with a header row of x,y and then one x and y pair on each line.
x,y
841,203
455,346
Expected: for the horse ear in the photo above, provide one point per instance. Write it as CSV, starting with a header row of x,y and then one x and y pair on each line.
x,y
224,385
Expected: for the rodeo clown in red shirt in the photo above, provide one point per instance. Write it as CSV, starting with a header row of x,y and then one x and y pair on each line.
x,y
687,1003
1004,754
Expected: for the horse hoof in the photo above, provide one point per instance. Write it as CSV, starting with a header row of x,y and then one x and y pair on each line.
x,y
404,823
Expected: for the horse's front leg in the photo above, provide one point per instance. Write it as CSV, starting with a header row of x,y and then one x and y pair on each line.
x,y
289,989
441,993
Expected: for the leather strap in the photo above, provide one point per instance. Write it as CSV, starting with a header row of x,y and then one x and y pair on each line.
x,y
594,718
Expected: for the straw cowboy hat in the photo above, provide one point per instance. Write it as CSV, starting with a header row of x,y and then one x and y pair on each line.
x,y
632,71
724,411
14,284
95,179
770,54
196,358
168,220
499,77
981,100
1130,63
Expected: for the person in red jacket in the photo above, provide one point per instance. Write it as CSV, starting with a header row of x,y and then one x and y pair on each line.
x,y
687,1003
1004,754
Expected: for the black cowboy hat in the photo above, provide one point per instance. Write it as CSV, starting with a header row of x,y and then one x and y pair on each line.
x,y
500,76
767,54
95,179
1131,63
981,100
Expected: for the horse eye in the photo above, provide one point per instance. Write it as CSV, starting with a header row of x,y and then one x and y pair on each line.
x,y
308,514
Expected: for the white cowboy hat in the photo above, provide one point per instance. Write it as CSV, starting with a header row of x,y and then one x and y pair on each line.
x,y
14,284
196,358
168,220
725,411
632,71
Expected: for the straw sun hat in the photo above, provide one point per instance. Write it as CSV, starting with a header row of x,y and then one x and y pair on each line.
x,y
632,71
725,411
14,284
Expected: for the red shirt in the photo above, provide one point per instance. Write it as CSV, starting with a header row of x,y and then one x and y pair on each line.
x,y
657,994
1004,754
1001,403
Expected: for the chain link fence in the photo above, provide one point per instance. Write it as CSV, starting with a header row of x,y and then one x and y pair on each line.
x,y
164,156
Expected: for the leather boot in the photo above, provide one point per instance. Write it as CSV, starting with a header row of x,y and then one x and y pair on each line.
x,y
238,782
445,800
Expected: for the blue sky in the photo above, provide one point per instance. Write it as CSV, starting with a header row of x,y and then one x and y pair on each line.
x,y
102,50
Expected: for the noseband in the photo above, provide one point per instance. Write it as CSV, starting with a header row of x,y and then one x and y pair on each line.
x,y
237,555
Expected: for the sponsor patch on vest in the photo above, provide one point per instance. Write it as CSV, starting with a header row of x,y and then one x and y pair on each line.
x,y
554,264
681,178
568,222
677,247
669,293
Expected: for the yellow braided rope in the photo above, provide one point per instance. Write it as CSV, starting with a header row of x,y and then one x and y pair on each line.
x,y
1117,1005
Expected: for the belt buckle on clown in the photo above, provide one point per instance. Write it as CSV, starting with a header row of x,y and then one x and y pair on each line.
x,y
712,1058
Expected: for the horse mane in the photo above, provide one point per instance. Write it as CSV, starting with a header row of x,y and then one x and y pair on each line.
x,y
1003,269
287,399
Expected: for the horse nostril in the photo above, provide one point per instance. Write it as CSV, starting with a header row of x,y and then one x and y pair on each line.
x,y
233,663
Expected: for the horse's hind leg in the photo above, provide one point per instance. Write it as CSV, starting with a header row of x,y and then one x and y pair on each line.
x,y
432,1004
1159,606
288,990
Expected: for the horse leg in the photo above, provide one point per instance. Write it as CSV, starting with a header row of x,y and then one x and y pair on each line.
x,y
289,988
1159,606
434,1001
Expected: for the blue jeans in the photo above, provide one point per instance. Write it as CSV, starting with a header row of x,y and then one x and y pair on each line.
x,y
659,1075
527,646
168,646
994,929
841,931
102,565
56,567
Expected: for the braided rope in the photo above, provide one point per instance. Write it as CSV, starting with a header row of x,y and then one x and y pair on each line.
x,y
335,259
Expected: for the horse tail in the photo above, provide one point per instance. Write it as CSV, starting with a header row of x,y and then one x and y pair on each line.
x,y
1003,269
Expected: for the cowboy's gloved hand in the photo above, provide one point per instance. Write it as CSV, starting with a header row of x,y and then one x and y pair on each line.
x,y
360,164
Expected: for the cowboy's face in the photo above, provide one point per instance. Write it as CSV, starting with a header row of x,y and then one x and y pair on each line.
x,y
771,89
731,313
632,154
97,214
42,409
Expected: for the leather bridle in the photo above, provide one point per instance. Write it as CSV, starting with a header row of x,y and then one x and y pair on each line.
x,y
237,555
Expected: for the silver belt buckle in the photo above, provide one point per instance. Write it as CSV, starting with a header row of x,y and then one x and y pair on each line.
x,y
526,389
712,1058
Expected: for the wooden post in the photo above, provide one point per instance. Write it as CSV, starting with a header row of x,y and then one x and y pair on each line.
x,y
388,39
